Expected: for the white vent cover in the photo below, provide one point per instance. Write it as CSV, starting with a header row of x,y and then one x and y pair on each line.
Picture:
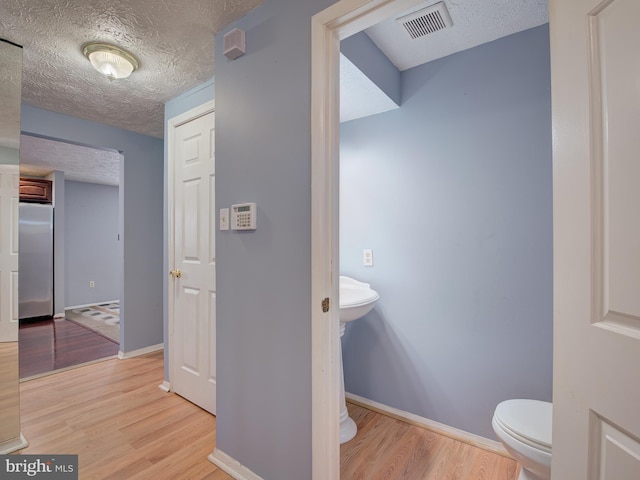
x,y
428,20
234,46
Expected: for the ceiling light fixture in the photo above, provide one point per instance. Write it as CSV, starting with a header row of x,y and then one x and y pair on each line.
x,y
109,60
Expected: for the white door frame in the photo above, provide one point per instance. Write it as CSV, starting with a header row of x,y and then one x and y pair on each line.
x,y
173,124
342,19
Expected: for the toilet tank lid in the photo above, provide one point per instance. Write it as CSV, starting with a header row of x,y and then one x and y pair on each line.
x,y
528,418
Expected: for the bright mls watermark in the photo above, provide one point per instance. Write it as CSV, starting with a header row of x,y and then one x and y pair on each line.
x,y
51,467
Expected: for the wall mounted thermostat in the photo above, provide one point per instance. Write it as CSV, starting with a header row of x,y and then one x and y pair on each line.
x,y
243,216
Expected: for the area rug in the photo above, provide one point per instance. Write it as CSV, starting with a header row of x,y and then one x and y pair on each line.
x,y
104,319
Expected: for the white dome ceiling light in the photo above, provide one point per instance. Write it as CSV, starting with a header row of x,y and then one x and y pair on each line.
x,y
109,60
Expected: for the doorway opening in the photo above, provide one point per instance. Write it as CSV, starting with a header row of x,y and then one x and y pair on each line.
x,y
75,256
329,27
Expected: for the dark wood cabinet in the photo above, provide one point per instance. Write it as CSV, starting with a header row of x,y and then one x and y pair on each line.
x,y
36,190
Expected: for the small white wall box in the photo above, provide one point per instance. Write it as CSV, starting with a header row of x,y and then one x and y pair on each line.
x,y
234,46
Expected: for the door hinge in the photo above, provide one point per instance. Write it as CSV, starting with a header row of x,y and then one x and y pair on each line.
x,y
326,303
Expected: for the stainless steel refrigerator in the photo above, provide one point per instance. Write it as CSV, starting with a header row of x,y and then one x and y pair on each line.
x,y
35,274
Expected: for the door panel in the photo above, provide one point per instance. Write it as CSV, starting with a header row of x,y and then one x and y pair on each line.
x,y
190,330
617,453
191,222
212,223
596,113
9,180
616,163
193,371
212,337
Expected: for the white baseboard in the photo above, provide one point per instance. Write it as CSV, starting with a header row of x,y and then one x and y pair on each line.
x,y
13,445
231,466
58,315
165,386
90,304
140,351
440,428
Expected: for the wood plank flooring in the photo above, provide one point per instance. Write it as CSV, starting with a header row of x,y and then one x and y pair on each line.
x,y
122,426
386,448
48,345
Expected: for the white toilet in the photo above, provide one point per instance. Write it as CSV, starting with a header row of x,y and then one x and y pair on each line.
x,y
524,428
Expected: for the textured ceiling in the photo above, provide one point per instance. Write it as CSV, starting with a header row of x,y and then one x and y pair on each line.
x,y
41,156
173,40
474,22
10,80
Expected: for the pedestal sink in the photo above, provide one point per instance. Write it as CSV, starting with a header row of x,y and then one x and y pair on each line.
x,y
356,300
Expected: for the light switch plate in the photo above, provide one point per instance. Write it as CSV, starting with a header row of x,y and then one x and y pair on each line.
x,y
224,219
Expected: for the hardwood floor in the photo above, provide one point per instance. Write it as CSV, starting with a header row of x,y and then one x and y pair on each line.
x,y
122,426
48,345
386,448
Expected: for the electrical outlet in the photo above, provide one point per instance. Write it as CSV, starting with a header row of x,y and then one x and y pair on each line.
x,y
367,259
92,284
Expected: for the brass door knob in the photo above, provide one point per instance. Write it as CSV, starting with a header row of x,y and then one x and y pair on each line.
x,y
175,273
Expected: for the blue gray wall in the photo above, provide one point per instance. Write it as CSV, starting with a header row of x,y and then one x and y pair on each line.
x,y
92,251
263,155
364,54
174,107
141,214
453,193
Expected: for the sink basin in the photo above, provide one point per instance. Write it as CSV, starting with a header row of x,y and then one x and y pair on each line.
x,y
356,299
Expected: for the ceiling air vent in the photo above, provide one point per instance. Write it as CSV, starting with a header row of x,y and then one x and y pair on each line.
x,y
428,20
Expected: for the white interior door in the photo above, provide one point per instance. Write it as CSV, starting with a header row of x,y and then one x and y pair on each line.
x,y
596,175
9,181
193,305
